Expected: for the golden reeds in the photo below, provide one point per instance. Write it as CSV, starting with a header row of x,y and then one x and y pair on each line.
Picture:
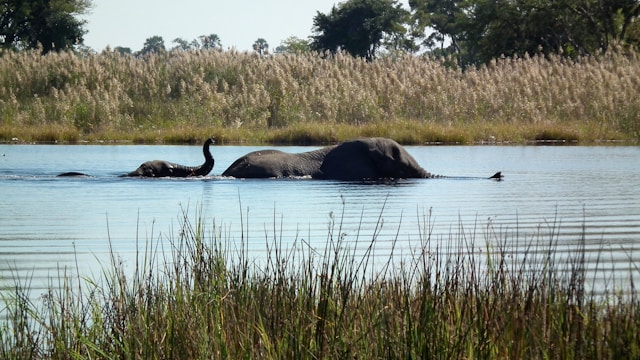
x,y
108,94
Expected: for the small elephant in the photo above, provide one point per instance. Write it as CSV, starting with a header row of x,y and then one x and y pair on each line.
x,y
73,174
161,168
359,159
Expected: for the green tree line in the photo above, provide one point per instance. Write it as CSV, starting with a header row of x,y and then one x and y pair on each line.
x,y
476,31
470,31
52,25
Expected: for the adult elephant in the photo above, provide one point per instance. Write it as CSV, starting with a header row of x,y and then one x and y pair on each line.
x,y
161,168
359,159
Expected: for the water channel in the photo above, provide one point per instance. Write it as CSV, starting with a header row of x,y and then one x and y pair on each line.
x,y
576,195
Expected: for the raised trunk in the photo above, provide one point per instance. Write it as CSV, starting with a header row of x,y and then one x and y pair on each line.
x,y
205,168
160,168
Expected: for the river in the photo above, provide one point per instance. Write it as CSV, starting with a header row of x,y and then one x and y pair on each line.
x,y
571,195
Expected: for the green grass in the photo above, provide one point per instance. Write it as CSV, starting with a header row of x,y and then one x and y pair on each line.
x,y
205,297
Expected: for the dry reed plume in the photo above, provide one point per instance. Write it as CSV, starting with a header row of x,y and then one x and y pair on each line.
x,y
190,95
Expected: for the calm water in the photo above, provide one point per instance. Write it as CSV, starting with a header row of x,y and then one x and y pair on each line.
x,y
561,193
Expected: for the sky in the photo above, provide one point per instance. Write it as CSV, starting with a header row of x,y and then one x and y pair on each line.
x,y
238,24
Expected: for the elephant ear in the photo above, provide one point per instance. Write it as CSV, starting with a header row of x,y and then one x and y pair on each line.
x,y
351,160
384,158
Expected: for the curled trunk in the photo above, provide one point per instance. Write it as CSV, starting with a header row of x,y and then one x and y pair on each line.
x,y
161,168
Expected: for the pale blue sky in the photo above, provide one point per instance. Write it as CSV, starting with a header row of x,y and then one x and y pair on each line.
x,y
128,23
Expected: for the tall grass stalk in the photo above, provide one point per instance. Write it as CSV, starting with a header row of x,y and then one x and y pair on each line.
x,y
186,96
204,297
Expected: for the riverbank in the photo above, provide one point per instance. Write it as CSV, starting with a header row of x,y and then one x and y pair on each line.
x,y
186,97
405,132
207,299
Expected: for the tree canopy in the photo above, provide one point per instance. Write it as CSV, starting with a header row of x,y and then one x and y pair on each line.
x,y
358,26
471,32
477,31
49,24
261,46
211,41
293,45
154,44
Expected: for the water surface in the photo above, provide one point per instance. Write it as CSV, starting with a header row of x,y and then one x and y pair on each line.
x,y
570,194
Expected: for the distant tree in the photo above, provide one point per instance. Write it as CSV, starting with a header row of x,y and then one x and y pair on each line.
x,y
184,45
123,50
293,45
261,46
210,42
154,44
51,25
359,26
480,30
443,20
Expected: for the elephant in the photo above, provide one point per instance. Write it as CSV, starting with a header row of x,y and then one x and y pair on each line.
x,y
161,168
359,159
73,174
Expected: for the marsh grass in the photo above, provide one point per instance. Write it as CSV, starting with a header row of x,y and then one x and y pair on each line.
x,y
179,97
205,297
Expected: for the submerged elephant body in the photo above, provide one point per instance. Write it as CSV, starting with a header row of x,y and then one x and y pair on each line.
x,y
360,159
277,164
161,168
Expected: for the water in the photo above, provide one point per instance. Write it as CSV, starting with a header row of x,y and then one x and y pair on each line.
x,y
568,194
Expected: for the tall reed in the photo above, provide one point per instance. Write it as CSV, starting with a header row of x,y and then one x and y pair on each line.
x,y
204,297
240,96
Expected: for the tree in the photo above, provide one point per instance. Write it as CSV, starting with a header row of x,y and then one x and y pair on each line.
x,y
154,44
480,30
358,26
210,42
123,50
293,45
261,46
49,24
182,44
441,17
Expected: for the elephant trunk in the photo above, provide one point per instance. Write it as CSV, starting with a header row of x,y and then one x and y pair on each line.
x,y
205,168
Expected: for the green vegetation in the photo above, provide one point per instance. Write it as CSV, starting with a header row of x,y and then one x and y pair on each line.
x,y
359,27
183,96
477,31
206,298
474,32
469,32
49,25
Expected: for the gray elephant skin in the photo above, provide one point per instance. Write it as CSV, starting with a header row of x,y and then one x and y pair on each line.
x,y
161,168
359,159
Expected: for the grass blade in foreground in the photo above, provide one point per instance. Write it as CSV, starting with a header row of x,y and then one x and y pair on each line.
x,y
205,298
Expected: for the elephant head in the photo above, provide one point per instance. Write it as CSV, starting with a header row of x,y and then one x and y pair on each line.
x,y
161,168
370,159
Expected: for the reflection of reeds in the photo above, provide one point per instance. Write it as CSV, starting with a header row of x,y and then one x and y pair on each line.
x,y
188,96
205,298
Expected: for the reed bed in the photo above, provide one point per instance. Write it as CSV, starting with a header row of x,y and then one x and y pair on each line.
x,y
184,96
206,298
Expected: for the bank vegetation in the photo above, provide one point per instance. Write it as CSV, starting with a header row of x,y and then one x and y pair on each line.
x,y
198,294
187,96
